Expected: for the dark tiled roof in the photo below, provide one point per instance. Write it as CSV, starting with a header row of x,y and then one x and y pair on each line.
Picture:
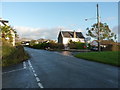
x,y
107,42
70,34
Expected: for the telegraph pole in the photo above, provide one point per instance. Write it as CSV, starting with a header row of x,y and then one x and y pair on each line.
x,y
98,22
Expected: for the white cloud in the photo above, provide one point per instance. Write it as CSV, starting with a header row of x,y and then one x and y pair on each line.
x,y
37,33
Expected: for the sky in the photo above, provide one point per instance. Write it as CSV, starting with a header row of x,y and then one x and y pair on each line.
x,y
45,19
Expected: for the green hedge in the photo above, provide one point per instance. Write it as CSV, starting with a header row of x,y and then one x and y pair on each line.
x,y
77,45
46,45
12,55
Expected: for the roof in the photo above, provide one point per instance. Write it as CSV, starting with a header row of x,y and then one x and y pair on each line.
x,y
107,42
70,34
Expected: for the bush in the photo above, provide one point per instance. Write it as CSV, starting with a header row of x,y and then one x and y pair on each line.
x,y
56,46
51,45
12,55
77,45
40,46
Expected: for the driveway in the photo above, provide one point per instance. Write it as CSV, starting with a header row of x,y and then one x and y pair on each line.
x,y
46,69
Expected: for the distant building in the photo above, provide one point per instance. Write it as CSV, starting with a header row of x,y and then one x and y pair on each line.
x,y
24,41
65,37
44,40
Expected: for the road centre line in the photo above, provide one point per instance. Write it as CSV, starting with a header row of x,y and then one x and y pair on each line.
x,y
35,75
37,79
40,85
33,71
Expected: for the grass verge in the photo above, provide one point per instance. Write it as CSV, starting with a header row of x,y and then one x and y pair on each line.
x,y
106,57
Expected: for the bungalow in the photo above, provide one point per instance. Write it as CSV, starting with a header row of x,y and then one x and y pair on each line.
x,y
65,37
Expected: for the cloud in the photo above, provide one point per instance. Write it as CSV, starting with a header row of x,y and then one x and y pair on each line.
x,y
37,33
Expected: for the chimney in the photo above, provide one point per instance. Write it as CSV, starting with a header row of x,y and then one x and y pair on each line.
x,y
74,34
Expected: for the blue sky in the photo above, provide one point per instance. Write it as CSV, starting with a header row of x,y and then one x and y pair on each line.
x,y
42,19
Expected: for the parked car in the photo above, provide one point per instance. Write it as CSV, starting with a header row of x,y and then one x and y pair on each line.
x,y
94,48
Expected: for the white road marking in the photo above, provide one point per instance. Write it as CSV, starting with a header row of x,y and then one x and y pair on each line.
x,y
40,85
29,63
32,68
37,79
24,65
35,75
33,71
13,71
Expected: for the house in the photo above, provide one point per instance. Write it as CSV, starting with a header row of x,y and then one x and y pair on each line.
x,y
65,37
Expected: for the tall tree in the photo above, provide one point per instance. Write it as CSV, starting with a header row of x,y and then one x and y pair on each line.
x,y
103,33
6,33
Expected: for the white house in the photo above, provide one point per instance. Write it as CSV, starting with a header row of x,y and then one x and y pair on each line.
x,y
65,36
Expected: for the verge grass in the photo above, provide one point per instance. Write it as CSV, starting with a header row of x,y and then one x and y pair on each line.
x,y
106,57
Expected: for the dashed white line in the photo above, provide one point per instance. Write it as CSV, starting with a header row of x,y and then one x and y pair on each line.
x,y
35,75
33,71
40,85
32,68
29,63
37,79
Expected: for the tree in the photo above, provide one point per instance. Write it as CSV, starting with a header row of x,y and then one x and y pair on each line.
x,y
6,33
103,33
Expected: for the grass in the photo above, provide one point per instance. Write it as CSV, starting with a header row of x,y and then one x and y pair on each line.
x,y
12,55
106,57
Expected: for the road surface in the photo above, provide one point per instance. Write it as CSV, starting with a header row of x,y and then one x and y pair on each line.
x,y
46,69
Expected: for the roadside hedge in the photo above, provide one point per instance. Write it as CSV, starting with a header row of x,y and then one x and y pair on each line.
x,y
78,45
12,55
48,45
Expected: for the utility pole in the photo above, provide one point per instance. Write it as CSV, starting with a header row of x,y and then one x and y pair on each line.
x,y
98,22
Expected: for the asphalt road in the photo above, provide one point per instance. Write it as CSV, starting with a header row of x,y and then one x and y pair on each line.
x,y
46,69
